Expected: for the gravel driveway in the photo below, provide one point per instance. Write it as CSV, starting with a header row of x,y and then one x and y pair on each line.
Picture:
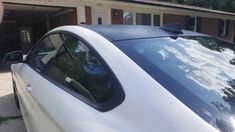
x,y
10,116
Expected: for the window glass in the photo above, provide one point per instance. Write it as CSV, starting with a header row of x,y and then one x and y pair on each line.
x,y
143,19
198,28
199,71
26,35
156,20
127,17
191,23
45,51
77,68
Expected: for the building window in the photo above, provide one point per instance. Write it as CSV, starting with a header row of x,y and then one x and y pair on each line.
x,y
198,24
26,36
128,18
223,27
193,23
143,19
156,20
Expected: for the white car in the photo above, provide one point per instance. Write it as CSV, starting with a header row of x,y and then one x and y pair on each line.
x,y
127,79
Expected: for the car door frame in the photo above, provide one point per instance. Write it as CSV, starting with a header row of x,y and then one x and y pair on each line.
x,y
29,122
102,107
39,105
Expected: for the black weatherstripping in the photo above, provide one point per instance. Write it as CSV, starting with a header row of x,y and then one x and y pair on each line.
x,y
102,107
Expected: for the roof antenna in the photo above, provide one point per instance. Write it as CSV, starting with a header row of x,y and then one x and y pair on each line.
x,y
172,27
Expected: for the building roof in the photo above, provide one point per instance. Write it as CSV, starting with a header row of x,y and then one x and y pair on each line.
x,y
127,32
179,6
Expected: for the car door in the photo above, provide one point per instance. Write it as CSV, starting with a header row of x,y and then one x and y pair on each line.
x,y
26,80
32,71
76,84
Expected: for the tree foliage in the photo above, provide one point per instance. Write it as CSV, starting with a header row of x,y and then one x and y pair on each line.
x,y
223,5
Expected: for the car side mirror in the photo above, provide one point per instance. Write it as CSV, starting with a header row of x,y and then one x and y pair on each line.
x,y
13,57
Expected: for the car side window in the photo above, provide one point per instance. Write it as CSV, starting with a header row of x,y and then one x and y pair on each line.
x,y
45,51
81,71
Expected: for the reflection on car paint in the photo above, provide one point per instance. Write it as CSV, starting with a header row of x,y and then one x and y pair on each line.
x,y
197,70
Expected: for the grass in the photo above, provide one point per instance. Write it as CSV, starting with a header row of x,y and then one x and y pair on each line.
x,y
4,119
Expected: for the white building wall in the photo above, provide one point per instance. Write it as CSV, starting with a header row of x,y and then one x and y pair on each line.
x,y
110,4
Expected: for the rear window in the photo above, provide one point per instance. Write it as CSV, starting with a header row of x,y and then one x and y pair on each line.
x,y
199,71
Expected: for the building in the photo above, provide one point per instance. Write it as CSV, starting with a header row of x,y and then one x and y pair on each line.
x,y
25,21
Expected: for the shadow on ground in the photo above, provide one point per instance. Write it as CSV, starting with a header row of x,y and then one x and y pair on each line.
x,y
10,116
8,107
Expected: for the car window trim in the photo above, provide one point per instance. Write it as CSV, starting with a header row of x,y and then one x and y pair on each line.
x,y
37,44
119,92
119,96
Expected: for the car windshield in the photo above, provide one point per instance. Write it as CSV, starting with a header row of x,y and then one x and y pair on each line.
x,y
198,70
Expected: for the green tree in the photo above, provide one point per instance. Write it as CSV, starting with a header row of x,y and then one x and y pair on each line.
x,y
223,5
229,5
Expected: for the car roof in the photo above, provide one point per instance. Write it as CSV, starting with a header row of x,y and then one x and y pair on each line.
x,y
127,32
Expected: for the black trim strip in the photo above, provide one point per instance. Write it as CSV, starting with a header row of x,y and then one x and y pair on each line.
x,y
102,107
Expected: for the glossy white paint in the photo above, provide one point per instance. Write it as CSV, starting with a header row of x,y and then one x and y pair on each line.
x,y
147,105
26,79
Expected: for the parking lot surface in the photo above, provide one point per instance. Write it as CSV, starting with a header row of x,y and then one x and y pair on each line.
x,y
10,116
